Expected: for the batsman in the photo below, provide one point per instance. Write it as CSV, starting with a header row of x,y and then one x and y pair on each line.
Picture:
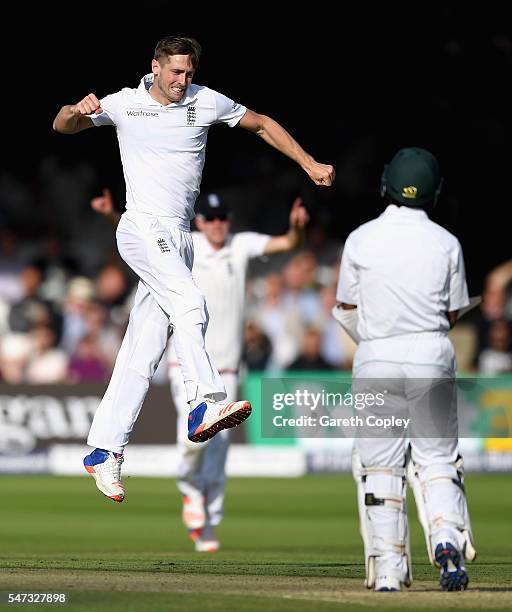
x,y
401,288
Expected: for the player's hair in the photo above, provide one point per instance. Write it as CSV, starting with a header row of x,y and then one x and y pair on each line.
x,y
178,45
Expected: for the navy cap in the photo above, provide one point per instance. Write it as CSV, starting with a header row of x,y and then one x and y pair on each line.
x,y
211,205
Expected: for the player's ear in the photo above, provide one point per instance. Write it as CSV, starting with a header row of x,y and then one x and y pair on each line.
x,y
155,67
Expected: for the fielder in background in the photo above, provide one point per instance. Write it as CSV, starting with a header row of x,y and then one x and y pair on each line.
x,y
401,285
220,272
162,127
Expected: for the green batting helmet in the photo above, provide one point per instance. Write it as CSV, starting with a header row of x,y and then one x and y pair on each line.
x,y
412,178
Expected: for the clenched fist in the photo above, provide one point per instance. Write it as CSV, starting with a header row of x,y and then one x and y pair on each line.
x,y
321,174
89,105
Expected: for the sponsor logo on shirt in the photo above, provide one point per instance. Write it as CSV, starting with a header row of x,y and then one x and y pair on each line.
x,y
141,113
191,115
164,247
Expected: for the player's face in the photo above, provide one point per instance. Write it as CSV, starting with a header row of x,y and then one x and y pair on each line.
x,y
215,229
171,78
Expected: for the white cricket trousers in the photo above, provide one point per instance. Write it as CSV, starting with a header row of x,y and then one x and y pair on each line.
x,y
201,470
414,358
167,301
406,394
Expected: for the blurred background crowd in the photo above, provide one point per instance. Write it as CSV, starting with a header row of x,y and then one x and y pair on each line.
x,y
64,309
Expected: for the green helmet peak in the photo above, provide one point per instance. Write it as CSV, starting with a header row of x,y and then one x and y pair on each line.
x,y
412,178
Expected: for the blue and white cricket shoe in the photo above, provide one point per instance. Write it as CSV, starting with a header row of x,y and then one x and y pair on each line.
x,y
454,576
208,418
105,467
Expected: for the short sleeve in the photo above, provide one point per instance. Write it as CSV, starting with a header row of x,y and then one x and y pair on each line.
x,y
348,282
255,243
110,114
226,110
458,288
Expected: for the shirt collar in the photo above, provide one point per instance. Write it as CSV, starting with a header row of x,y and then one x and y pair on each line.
x,y
144,97
210,251
405,212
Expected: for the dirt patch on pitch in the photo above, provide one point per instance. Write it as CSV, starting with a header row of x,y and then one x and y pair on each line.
x,y
337,590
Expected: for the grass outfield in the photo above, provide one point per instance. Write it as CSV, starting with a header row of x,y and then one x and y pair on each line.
x,y
287,545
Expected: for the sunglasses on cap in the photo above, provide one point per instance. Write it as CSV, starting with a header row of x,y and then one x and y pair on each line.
x,y
213,217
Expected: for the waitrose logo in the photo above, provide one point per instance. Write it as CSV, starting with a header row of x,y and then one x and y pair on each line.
x,y
134,113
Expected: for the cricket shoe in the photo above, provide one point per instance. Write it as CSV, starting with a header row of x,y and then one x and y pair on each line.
x,y
208,418
204,540
193,513
207,545
387,584
391,574
454,576
105,467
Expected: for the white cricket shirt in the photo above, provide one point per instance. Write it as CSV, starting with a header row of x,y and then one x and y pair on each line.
x,y
163,147
404,272
221,276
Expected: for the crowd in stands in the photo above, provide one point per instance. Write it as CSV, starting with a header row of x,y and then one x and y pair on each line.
x,y
59,325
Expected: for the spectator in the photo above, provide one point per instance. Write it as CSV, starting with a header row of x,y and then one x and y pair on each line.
x,y
112,290
107,335
57,268
496,358
300,286
280,322
496,304
80,292
15,352
88,364
32,310
48,364
496,307
257,348
310,357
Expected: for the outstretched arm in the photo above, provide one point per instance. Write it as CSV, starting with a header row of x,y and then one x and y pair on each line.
x,y
73,118
276,136
104,205
291,240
